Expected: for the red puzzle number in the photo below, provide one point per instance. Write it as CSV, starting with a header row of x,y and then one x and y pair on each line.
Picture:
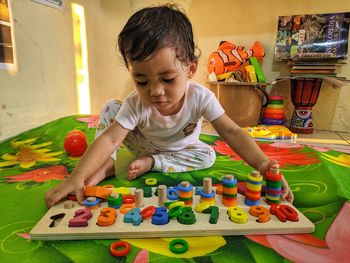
x,y
284,213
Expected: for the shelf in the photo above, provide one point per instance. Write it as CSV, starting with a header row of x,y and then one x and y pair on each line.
x,y
238,83
334,81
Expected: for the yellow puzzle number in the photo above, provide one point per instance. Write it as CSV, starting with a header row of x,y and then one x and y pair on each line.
x,y
237,215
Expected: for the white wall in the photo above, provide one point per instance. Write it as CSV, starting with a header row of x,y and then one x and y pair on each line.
x,y
44,87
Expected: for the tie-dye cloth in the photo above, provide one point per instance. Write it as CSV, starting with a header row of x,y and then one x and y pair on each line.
x,y
35,161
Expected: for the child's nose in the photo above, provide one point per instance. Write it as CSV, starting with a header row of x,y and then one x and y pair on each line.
x,y
157,90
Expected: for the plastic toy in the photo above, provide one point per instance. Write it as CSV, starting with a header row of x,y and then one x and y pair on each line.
x,y
258,71
229,57
75,143
273,132
274,111
176,219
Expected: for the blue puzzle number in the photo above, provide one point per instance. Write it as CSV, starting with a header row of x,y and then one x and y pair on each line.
x,y
133,216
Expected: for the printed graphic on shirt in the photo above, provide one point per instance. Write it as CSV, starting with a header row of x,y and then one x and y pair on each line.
x,y
189,129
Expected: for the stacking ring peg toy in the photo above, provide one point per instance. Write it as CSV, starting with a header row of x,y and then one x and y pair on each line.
x,y
151,181
178,246
120,244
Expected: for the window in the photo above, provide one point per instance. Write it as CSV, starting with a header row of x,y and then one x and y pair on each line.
x,y
7,56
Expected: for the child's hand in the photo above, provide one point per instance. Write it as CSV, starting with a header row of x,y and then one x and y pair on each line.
x,y
286,191
72,184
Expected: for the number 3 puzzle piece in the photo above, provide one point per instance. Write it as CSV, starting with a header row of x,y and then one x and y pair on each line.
x,y
107,216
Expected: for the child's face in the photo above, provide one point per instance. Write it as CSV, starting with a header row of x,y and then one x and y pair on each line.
x,y
162,80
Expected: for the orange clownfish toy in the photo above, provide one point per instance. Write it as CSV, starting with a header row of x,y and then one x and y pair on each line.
x,y
229,57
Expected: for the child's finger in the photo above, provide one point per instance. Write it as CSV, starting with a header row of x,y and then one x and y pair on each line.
x,y
54,196
80,196
290,196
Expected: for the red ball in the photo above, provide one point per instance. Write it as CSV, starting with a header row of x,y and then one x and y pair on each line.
x,y
75,143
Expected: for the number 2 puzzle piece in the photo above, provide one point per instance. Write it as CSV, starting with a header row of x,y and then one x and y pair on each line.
x,y
80,218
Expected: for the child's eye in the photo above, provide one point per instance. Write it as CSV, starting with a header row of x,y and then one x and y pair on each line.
x,y
141,83
168,80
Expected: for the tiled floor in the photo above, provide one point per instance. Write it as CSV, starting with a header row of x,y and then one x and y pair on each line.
x,y
319,137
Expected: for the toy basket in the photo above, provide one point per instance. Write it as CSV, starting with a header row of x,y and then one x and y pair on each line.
x,y
242,101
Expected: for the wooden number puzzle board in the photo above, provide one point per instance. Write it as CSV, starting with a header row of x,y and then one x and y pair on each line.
x,y
146,229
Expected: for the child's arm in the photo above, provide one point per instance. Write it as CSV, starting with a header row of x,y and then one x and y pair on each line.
x,y
247,149
94,157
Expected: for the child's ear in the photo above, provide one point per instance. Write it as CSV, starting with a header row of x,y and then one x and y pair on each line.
x,y
192,68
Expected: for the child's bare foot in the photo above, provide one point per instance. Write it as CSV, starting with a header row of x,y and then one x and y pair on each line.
x,y
140,166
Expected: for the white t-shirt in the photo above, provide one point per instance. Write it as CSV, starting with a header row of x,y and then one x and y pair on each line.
x,y
174,132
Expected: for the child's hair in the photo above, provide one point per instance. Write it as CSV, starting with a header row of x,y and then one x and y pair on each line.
x,y
152,28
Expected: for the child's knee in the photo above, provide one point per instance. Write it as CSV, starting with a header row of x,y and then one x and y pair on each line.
x,y
107,116
111,107
209,157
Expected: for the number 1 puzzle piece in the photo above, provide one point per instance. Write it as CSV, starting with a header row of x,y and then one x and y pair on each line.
x,y
56,217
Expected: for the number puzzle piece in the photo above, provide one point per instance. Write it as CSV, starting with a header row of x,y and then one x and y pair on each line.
x,y
260,212
107,216
187,217
160,217
237,215
80,218
148,212
290,213
133,216
214,214
284,213
56,217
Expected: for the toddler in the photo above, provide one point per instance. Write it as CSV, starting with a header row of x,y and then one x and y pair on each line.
x,y
160,121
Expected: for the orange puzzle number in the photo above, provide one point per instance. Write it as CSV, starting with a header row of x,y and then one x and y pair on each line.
x,y
260,212
107,216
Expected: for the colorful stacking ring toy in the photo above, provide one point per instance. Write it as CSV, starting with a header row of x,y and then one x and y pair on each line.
x,y
178,246
119,244
151,181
